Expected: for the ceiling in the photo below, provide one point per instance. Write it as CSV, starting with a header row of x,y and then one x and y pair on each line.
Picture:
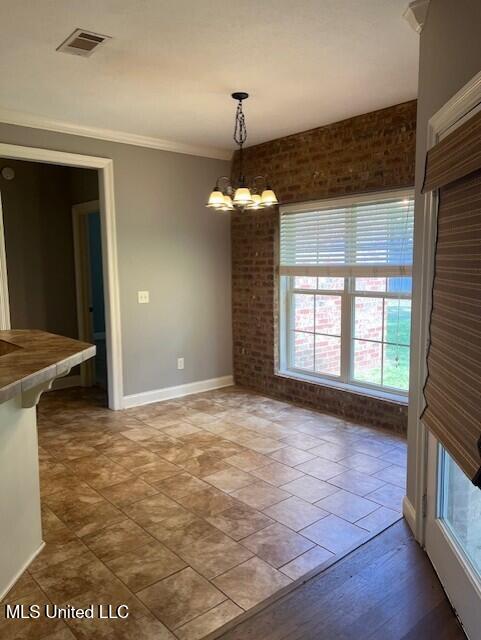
x,y
171,65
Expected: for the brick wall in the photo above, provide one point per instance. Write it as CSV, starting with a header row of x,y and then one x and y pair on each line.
x,y
371,152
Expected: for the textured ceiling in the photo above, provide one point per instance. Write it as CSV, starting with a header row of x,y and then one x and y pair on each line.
x,y
171,65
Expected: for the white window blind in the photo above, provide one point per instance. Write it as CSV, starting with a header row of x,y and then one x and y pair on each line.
x,y
356,239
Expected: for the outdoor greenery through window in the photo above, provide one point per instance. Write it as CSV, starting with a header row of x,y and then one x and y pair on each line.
x,y
345,272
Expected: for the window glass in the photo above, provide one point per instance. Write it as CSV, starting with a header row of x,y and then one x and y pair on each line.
x,y
368,361
381,327
328,355
396,367
368,318
370,284
400,285
330,284
303,350
328,315
397,321
303,312
305,282
461,510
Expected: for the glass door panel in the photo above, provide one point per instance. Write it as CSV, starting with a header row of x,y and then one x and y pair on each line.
x,y
453,535
460,508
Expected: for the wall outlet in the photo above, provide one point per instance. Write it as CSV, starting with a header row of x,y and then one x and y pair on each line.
x,y
180,363
143,297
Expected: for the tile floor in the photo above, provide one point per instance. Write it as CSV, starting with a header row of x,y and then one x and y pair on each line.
x,y
194,511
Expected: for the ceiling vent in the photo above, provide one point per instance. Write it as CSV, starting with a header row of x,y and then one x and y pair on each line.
x,y
82,43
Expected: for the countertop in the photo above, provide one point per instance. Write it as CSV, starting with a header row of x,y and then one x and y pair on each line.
x,y
29,358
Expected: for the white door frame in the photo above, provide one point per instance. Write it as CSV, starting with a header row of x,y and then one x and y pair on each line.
x,y
109,253
82,282
463,105
4,297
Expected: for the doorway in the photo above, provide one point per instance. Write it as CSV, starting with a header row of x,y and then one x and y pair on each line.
x,y
87,241
447,516
106,219
53,251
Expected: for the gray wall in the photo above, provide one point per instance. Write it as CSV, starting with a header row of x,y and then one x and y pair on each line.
x,y
171,245
450,55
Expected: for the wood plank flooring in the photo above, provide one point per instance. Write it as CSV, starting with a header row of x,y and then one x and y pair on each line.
x,y
386,590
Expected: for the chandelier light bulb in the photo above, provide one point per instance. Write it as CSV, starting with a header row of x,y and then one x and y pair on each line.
x,y
228,206
242,196
216,199
269,197
256,202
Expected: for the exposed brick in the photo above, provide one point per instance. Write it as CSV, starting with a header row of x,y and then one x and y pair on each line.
x,y
371,152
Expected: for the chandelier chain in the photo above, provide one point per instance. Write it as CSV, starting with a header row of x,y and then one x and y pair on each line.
x,y
240,128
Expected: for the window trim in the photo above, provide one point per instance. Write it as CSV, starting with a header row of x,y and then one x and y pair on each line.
x,y
379,394
344,381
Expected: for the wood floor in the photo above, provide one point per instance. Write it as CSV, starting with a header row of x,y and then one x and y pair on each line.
x,y
386,590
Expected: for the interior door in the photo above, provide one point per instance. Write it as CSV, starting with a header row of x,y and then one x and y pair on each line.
x,y
90,289
453,535
96,293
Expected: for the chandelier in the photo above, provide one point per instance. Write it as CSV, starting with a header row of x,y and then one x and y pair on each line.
x,y
228,195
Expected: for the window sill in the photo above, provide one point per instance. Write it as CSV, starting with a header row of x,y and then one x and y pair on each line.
x,y
344,386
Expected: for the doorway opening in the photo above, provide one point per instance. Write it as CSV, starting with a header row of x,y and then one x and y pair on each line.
x,y
87,243
447,508
53,255
58,262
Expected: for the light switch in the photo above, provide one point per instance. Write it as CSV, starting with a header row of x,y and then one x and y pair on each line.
x,y
143,297
180,363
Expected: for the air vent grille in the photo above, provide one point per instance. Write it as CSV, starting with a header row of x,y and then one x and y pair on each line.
x,y
82,43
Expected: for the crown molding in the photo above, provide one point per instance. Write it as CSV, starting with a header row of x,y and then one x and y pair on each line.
x,y
415,14
465,103
20,118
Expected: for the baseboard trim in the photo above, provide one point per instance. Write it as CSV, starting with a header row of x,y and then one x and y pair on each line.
x,y
167,393
22,570
409,513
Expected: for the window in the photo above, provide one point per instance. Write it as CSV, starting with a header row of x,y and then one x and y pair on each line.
x,y
345,284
